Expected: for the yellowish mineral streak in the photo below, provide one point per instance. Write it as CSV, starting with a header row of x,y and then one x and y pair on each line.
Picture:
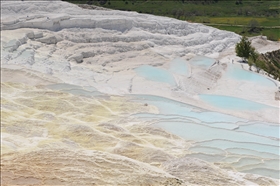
x,y
51,137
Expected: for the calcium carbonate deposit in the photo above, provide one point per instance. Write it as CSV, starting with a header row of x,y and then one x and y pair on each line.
x,y
105,97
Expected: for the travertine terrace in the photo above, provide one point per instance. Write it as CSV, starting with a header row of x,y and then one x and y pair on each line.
x,y
83,93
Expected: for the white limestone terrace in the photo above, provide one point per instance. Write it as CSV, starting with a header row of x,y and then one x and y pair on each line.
x,y
55,16
62,65
103,49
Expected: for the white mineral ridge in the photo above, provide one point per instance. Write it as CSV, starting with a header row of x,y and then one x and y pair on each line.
x,y
101,48
91,140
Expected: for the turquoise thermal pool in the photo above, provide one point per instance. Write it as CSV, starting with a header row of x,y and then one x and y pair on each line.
x,y
198,132
261,129
75,90
63,86
171,107
179,66
155,74
247,146
232,103
202,62
238,73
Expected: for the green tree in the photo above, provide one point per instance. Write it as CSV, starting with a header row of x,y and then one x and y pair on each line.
x,y
253,59
244,49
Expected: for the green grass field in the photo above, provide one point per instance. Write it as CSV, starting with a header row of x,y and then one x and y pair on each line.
x,y
272,34
270,27
263,21
228,13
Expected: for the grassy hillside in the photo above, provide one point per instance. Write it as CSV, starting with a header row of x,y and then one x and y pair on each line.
x,y
270,62
233,15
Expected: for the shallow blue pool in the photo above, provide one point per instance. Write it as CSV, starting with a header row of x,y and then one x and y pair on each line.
x,y
155,74
179,66
202,62
217,137
63,86
238,73
198,132
172,107
262,129
232,103
75,90
226,144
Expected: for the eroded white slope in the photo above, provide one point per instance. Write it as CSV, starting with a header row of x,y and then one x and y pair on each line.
x,y
51,137
102,48
110,51
126,26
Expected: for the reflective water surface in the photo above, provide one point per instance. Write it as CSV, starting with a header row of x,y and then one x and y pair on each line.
x,y
247,146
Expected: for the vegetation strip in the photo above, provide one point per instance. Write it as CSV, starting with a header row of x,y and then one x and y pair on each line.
x,y
209,12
